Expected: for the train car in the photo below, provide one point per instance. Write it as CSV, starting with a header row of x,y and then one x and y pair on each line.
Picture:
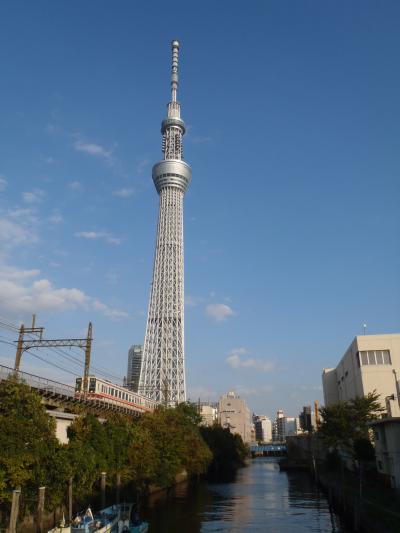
x,y
110,393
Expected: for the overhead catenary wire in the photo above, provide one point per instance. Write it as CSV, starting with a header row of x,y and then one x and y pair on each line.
x,y
72,356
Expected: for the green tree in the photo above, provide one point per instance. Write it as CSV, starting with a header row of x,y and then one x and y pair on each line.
x,y
87,451
228,449
346,423
30,452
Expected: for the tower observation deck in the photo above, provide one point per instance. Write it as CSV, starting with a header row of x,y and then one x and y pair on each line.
x,y
162,376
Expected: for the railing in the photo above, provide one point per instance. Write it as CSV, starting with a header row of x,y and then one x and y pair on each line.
x,y
268,447
38,382
63,393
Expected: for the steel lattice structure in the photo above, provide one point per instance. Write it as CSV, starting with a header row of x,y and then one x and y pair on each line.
x,y
162,376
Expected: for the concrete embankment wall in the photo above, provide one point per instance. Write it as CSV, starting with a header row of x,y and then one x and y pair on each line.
x,y
369,510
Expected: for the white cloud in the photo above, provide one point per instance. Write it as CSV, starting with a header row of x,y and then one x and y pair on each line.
x,y
3,183
75,185
236,361
92,149
22,294
51,128
55,218
108,311
219,312
142,164
93,235
123,193
7,272
192,301
12,233
33,197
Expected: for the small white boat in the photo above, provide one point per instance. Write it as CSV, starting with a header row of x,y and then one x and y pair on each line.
x,y
104,521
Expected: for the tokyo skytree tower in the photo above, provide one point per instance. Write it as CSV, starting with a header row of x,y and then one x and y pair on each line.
x,y
162,374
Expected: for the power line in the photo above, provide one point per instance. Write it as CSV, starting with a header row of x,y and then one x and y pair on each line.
x,y
74,359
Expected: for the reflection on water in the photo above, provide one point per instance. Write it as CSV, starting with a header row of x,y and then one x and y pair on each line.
x,y
261,498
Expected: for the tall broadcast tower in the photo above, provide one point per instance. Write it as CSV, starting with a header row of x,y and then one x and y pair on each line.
x,y
162,375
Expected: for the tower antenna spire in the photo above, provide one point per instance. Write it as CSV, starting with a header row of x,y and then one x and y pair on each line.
x,y
174,70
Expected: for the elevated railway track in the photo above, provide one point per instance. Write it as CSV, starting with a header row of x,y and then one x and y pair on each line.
x,y
56,395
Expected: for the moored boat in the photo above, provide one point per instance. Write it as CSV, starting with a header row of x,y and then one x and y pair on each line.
x,y
104,521
126,525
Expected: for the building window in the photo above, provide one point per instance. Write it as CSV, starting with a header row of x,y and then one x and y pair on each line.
x,y
375,357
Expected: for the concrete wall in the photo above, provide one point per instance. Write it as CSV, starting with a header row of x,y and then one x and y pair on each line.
x,y
63,421
387,446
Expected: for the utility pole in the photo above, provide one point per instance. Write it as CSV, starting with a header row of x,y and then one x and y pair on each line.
x,y
317,419
70,500
103,489
12,527
87,359
20,342
40,510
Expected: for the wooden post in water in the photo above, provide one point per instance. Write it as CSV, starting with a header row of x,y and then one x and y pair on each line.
x,y
118,486
40,509
70,500
103,489
12,528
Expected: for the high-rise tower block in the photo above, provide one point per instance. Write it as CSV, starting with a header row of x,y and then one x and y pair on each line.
x,y
163,367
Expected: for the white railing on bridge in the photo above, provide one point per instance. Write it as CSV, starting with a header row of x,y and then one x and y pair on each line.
x,y
38,382
54,389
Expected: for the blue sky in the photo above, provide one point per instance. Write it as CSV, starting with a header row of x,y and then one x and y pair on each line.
x,y
292,217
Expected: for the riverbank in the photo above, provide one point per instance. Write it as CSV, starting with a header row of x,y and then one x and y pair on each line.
x,y
366,505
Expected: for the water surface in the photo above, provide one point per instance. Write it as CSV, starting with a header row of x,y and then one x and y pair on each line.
x,y
261,498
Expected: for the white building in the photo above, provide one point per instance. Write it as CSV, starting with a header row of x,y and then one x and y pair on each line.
x,y
387,446
372,362
208,414
234,414
285,426
263,429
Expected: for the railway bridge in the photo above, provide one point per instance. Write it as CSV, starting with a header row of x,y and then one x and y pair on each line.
x,y
61,397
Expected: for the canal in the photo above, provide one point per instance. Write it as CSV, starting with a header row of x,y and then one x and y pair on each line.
x,y
260,498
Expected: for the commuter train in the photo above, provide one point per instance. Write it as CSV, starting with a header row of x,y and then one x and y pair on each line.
x,y
109,393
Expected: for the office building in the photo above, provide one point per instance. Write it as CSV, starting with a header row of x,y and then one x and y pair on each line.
x,y
134,366
307,419
372,362
234,414
209,414
263,429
